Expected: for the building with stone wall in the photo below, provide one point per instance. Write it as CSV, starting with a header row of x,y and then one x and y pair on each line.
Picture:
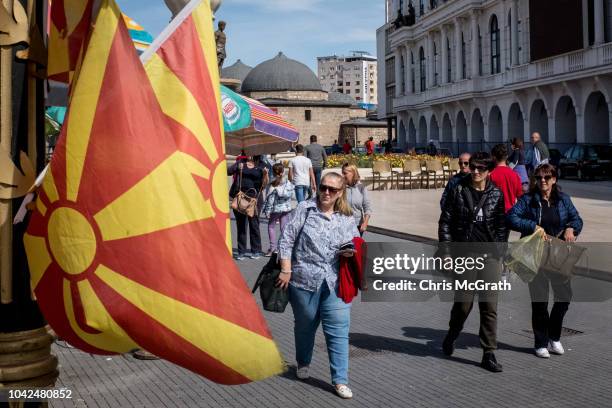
x,y
294,92
472,73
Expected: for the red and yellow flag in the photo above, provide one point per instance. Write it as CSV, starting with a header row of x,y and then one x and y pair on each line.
x,y
128,244
68,28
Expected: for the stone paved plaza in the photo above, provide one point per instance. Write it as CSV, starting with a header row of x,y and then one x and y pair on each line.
x,y
395,359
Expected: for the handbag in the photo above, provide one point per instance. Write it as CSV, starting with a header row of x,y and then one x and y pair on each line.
x,y
273,298
243,203
560,257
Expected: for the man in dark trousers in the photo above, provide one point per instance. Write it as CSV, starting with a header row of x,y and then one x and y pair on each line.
x,y
316,153
474,212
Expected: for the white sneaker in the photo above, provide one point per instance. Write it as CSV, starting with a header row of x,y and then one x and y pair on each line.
x,y
344,391
542,352
555,347
302,373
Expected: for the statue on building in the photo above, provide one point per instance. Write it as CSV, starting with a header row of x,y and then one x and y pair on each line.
x,y
220,40
411,17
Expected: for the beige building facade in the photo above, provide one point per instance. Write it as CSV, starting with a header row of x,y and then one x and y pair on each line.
x,y
472,73
355,75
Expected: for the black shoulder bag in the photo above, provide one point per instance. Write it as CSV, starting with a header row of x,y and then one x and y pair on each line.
x,y
273,298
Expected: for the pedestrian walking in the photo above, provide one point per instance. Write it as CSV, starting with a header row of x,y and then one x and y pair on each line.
x,y
464,171
251,179
540,153
516,162
474,212
369,145
277,205
346,147
504,178
357,197
316,153
310,250
301,174
551,212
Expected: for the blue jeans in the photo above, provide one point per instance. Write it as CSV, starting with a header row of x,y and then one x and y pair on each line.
x,y
322,306
301,192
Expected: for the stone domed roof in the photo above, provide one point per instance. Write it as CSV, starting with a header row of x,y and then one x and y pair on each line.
x,y
238,71
281,74
342,98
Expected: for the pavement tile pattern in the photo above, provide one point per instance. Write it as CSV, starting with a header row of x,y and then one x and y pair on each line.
x,y
395,361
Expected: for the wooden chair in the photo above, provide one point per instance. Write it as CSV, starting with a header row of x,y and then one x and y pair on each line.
x,y
434,171
411,170
452,168
382,171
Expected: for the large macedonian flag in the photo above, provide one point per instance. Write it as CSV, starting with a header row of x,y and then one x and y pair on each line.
x,y
128,243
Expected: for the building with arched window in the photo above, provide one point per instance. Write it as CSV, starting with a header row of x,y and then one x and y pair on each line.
x,y
495,47
492,70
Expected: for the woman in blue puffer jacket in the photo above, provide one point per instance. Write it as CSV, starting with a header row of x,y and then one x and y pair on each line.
x,y
546,209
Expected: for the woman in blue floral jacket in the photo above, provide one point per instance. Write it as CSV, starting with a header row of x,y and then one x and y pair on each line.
x,y
278,204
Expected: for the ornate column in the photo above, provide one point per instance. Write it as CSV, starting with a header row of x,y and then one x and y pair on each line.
x,y
444,55
503,51
458,51
599,22
474,44
408,72
398,72
430,60
515,34
585,23
25,358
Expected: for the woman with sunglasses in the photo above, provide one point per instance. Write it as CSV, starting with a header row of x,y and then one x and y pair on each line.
x,y
357,197
310,248
474,212
251,178
550,212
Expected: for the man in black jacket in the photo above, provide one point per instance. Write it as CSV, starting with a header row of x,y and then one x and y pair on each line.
x,y
474,212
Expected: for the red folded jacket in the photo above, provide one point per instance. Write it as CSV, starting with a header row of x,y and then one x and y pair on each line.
x,y
350,276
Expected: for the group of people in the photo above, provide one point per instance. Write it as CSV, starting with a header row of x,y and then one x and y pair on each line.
x,y
276,188
482,203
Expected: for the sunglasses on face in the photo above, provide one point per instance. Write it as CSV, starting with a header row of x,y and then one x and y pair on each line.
x,y
464,163
332,190
546,178
480,168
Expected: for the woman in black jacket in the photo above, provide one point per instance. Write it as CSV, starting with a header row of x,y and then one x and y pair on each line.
x,y
251,178
474,212
547,210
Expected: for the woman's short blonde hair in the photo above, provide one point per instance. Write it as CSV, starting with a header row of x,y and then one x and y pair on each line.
x,y
352,168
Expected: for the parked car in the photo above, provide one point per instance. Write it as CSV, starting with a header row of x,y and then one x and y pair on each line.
x,y
586,162
329,150
439,152
555,157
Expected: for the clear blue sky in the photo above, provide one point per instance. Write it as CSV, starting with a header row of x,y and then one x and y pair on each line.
x,y
303,29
